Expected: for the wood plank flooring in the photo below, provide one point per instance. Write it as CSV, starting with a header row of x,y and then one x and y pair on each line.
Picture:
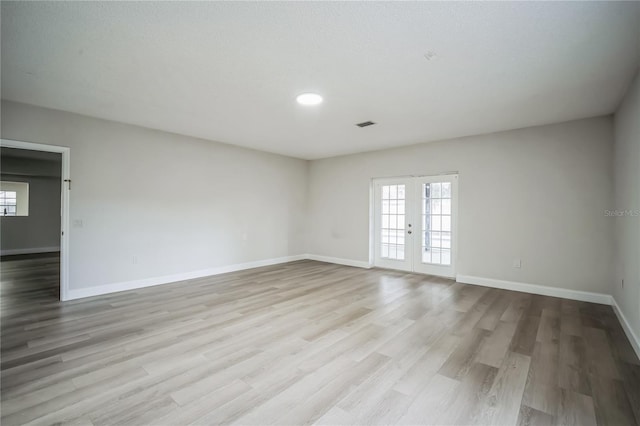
x,y
309,343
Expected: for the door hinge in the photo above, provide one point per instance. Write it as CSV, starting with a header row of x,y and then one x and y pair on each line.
x,y
68,180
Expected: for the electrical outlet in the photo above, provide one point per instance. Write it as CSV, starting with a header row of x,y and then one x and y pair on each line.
x,y
517,263
77,223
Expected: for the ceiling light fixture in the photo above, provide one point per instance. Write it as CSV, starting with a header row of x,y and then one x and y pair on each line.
x,y
309,99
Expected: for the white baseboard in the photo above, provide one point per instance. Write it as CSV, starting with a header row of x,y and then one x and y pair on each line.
x,y
631,335
10,252
565,293
339,261
167,279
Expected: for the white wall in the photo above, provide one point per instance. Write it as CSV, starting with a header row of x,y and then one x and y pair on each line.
x,y
537,194
177,204
627,199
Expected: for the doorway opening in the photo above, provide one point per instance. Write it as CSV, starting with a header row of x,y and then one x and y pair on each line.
x,y
34,215
415,224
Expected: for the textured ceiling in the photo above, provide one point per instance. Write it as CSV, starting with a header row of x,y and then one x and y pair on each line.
x,y
230,71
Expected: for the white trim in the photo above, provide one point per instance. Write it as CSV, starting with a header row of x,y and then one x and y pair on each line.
x,y
11,252
65,213
565,293
339,261
633,338
168,279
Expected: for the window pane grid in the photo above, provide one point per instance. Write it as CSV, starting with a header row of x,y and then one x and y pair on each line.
x,y
393,222
8,203
436,223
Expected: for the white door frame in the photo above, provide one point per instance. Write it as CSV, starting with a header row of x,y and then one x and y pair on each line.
x,y
64,216
413,215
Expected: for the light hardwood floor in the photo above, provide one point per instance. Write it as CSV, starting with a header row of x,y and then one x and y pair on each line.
x,y
309,342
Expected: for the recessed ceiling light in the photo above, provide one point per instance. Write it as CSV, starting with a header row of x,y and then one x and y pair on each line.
x,y
309,99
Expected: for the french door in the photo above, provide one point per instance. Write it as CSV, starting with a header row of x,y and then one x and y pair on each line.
x,y
415,224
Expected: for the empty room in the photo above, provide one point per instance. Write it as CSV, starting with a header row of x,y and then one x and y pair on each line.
x,y
331,213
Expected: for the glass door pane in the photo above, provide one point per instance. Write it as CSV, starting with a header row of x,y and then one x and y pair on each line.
x,y
436,223
393,212
392,238
436,204
414,224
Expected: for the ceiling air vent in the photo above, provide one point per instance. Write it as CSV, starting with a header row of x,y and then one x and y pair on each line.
x,y
365,124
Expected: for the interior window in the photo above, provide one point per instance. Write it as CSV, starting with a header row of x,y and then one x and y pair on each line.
x,y
14,198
